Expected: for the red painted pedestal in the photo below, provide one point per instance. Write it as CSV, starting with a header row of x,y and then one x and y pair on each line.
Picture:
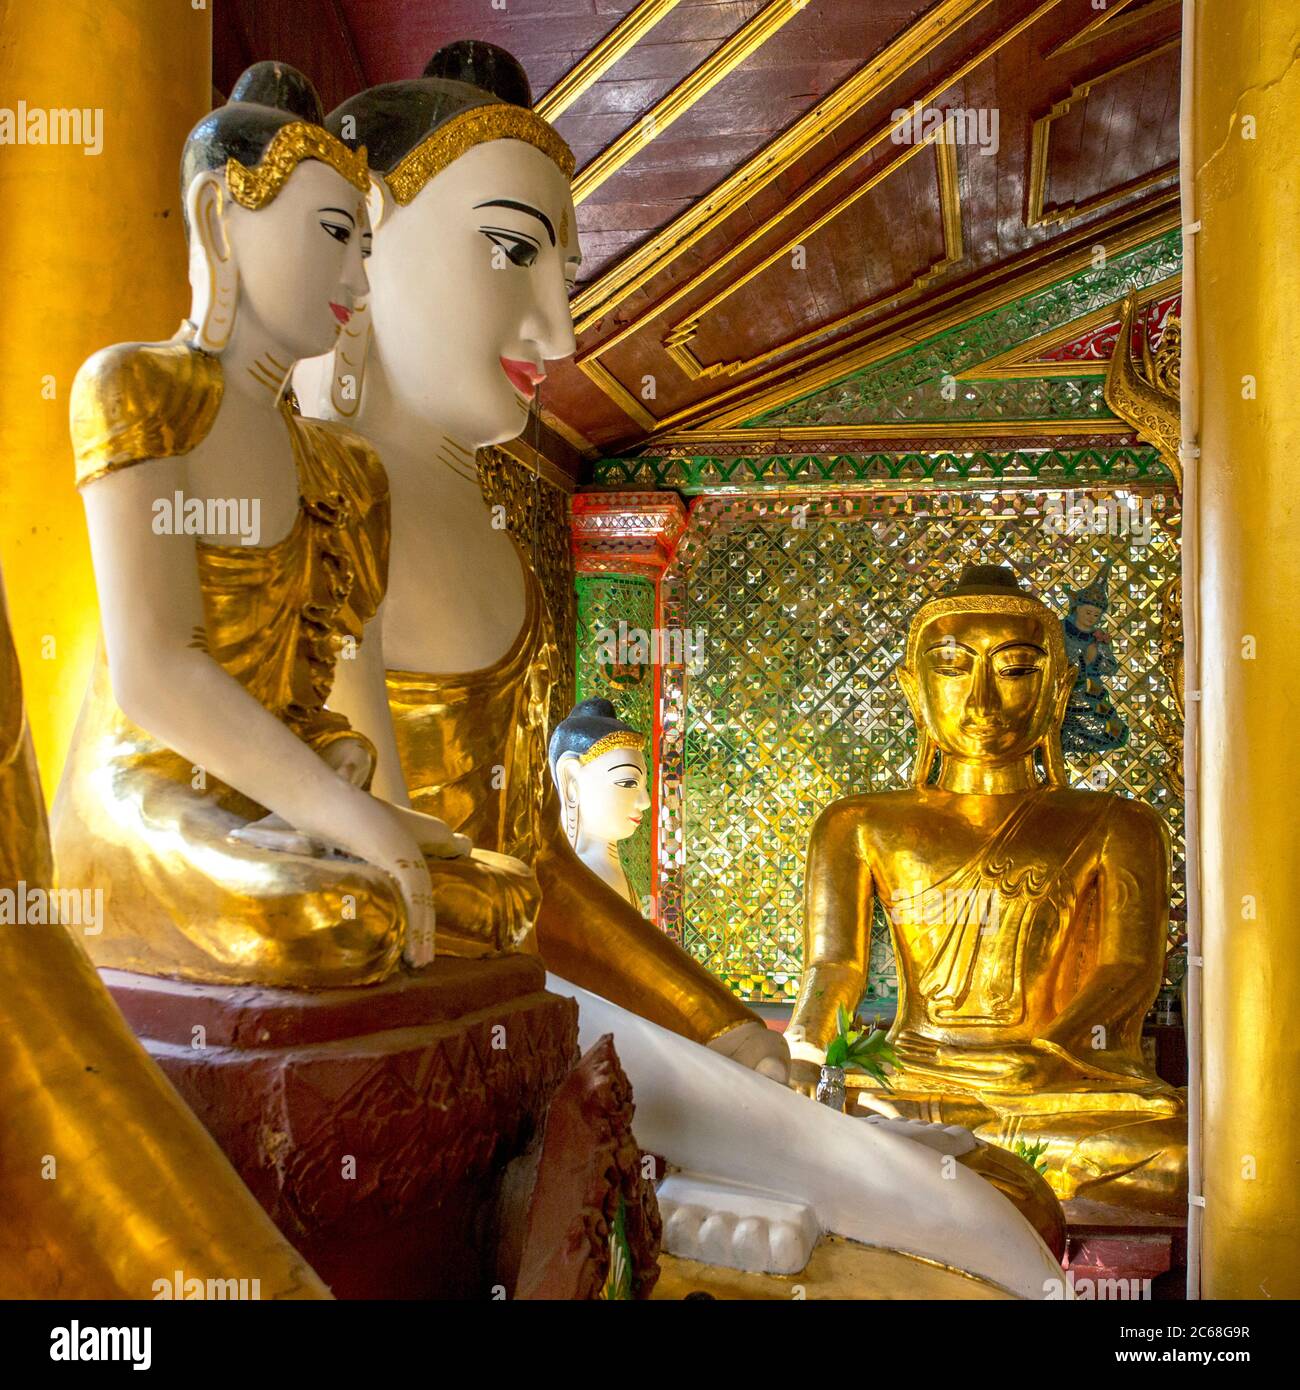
x,y
1118,1254
374,1124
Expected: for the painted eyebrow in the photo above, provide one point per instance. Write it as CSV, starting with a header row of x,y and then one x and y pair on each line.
x,y
343,212
520,207
618,766
1020,646
950,646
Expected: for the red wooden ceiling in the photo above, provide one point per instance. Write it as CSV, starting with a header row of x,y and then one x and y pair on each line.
x,y
1109,161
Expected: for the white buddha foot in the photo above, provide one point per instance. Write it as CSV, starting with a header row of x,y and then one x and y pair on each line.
x,y
734,1227
943,1139
274,833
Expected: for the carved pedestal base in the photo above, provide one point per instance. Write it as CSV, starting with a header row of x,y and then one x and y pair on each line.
x,y
372,1124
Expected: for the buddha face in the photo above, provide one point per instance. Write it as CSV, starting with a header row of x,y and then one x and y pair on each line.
x,y
299,259
985,684
611,791
470,290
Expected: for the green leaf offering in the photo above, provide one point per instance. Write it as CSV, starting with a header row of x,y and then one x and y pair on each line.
x,y
860,1050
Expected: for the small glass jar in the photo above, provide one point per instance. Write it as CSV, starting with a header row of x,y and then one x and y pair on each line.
x,y
830,1088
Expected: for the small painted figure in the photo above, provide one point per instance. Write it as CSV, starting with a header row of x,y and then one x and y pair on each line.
x,y
1092,724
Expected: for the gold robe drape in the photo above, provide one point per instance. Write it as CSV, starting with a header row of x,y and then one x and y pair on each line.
x,y
473,750
139,822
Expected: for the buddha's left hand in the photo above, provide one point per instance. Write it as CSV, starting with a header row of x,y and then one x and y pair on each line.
x,y
756,1046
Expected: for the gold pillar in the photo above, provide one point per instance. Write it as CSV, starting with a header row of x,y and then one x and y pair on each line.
x,y
94,253
1246,308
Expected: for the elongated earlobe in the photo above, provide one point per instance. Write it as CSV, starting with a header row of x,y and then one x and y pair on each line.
x,y
214,276
566,777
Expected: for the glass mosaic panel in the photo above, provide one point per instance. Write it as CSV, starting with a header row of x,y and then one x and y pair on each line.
x,y
605,601
804,602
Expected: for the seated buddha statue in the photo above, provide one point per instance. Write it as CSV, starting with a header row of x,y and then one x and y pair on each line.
x,y
1028,919
598,763
213,790
476,251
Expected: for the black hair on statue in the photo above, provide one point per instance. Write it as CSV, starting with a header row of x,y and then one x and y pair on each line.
x,y
392,119
266,97
589,721
483,65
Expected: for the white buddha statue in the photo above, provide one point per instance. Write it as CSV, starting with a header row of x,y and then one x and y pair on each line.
x,y
215,790
599,767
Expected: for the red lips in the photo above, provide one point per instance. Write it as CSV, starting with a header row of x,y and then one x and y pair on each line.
x,y
524,377
340,313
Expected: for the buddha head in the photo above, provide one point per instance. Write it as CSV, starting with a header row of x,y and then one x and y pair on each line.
x,y
986,675
599,767
476,246
275,212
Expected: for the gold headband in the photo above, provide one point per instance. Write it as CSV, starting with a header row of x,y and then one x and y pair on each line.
x,y
620,738
476,126
255,187
987,603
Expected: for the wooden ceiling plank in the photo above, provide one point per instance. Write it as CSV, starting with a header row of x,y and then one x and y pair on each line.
x,y
910,47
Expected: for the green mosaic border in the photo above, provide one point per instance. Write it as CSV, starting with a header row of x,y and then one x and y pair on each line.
x,y
707,473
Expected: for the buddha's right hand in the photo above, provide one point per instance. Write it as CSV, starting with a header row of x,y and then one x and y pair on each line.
x,y
434,837
371,830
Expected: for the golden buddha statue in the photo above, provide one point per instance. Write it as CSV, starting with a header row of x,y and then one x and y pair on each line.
x,y
1028,919
216,789
110,1182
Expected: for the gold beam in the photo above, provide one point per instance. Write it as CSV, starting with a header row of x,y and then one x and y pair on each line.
x,y
775,15
911,47
625,35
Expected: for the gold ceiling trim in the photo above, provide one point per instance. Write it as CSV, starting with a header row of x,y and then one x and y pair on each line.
x,y
624,36
682,334
911,47
1035,215
952,306
773,17
619,394
1019,361
1110,21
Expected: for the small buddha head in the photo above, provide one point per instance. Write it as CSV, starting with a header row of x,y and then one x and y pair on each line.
x,y
476,244
599,767
1088,605
275,211
986,675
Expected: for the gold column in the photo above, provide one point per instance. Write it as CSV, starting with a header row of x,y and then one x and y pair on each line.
x,y
1246,309
94,253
